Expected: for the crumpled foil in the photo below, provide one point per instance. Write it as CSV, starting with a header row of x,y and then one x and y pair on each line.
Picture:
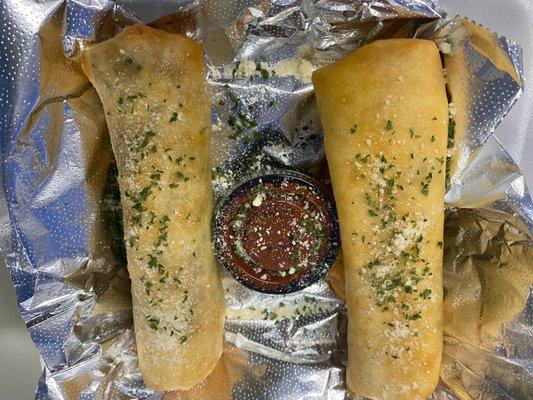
x,y
61,218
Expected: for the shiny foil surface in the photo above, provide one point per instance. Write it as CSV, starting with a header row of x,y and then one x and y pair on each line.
x,y
61,217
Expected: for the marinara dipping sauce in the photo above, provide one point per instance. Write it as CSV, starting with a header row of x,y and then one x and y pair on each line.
x,y
277,233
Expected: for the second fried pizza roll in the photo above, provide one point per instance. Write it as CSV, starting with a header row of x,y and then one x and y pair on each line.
x,y
152,86
384,111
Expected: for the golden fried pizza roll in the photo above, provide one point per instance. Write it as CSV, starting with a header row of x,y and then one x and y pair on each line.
x,y
152,86
384,112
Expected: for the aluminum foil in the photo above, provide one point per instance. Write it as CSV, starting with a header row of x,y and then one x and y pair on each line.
x,y
62,236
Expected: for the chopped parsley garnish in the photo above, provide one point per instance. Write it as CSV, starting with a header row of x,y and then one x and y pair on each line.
x,y
425,184
264,72
182,177
363,159
235,69
147,136
132,240
174,117
153,322
128,62
309,299
156,176
145,192
372,207
152,262
414,317
82,297
240,121
148,286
